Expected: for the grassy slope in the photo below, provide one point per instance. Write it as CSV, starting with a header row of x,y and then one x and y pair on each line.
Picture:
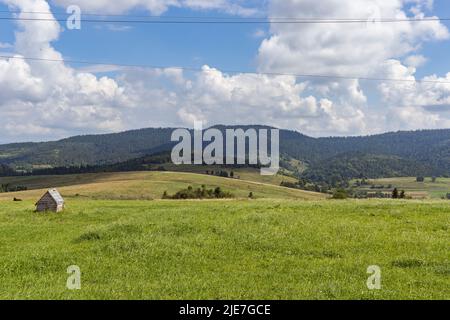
x,y
436,190
151,185
261,249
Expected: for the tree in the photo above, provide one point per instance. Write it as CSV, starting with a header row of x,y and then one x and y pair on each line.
x,y
403,194
433,179
340,194
395,194
5,187
218,192
250,195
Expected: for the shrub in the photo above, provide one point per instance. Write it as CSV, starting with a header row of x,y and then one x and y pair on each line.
x,y
395,194
9,188
200,193
288,184
88,236
340,194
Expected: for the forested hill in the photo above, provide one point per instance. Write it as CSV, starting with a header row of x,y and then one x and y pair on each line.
x,y
387,155
391,154
86,150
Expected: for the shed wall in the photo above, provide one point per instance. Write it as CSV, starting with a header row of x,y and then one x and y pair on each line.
x,y
47,203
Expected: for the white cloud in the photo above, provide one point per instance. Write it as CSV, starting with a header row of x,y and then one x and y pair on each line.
x,y
158,7
17,81
362,50
113,27
4,45
259,33
57,100
217,98
417,104
50,95
415,61
342,49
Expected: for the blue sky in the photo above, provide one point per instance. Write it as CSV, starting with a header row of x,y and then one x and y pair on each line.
x,y
438,51
122,99
231,47
224,46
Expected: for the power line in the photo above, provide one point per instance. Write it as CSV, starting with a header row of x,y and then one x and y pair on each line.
x,y
150,22
218,20
225,22
83,13
234,19
225,71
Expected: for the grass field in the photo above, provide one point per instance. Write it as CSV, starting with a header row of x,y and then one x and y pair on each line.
x,y
286,244
426,189
262,249
150,185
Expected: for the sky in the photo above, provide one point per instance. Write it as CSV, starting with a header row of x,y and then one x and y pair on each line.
x,y
230,67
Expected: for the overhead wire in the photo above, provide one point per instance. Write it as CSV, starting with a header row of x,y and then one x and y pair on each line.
x,y
194,69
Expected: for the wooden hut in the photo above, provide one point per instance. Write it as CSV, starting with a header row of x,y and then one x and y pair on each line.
x,y
50,201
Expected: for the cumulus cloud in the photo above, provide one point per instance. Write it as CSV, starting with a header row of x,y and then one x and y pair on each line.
x,y
412,105
57,100
52,97
342,49
415,61
216,98
369,49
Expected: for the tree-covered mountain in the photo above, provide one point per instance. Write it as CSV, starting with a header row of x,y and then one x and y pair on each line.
x,y
86,150
325,159
349,166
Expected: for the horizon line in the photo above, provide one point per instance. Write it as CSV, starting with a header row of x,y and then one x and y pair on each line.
x,y
223,125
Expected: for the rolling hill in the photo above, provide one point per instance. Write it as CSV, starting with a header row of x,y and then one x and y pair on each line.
x,y
150,185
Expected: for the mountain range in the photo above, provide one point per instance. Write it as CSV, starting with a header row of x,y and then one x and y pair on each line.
x,y
411,153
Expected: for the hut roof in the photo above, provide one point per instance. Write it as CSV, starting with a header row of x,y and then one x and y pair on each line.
x,y
55,195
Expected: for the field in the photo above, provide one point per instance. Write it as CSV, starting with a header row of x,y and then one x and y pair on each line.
x,y
281,246
426,189
150,185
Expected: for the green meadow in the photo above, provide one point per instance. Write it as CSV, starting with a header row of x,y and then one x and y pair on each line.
x,y
427,189
231,249
151,185
284,244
